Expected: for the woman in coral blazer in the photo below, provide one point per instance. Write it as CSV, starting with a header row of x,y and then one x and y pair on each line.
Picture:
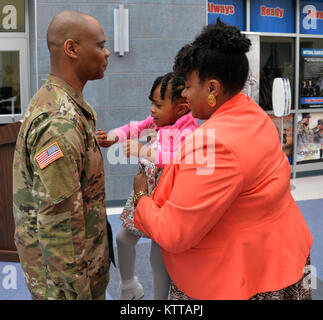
x,y
223,212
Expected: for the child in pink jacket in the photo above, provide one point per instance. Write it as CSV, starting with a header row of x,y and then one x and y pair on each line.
x,y
167,126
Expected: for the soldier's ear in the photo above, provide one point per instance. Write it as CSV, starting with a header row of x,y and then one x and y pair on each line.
x,y
70,48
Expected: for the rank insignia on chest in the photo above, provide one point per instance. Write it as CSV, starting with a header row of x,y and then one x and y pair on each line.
x,y
49,155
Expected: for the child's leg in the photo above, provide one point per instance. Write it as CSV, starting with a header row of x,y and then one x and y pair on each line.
x,y
131,289
160,274
126,244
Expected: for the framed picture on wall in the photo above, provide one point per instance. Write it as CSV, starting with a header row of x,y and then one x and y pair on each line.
x,y
311,80
309,137
288,133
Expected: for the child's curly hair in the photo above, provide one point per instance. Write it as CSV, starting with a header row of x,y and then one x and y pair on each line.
x,y
219,52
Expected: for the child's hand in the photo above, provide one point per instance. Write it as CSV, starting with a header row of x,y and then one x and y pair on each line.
x,y
132,147
106,140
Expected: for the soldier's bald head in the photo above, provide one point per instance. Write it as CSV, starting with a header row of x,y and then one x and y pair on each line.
x,y
67,25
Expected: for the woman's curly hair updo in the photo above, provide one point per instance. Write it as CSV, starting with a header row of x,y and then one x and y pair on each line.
x,y
218,52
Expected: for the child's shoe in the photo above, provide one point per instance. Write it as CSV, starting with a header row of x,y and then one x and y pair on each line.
x,y
131,290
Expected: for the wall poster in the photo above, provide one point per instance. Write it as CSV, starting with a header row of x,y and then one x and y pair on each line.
x,y
272,16
311,90
288,133
309,137
229,11
251,88
311,17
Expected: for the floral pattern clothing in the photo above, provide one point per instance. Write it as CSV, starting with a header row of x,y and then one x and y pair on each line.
x,y
153,174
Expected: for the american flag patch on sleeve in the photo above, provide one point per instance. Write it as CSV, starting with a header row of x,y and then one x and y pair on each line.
x,y
50,154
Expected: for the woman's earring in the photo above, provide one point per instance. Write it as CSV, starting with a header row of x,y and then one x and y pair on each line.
x,y
211,100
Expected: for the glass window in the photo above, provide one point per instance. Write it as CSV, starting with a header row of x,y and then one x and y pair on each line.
x,y
276,61
14,79
311,73
9,83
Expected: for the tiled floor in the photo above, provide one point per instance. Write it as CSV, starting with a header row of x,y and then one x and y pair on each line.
x,y
308,188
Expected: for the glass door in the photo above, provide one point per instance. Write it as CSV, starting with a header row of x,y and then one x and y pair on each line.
x,y
14,84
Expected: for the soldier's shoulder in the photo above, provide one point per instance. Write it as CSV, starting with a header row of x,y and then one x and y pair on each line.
x,y
52,101
51,97
47,126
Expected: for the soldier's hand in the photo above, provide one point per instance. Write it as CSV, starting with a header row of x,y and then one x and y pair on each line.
x,y
106,140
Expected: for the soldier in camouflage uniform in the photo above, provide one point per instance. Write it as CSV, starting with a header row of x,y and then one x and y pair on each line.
x,y
62,235
304,133
318,132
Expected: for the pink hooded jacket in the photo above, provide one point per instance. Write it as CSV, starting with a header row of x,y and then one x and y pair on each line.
x,y
169,138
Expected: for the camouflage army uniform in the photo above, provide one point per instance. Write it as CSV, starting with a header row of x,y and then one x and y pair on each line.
x,y
62,234
304,134
318,136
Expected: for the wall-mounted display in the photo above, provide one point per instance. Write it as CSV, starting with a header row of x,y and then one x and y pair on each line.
x,y
229,11
309,137
311,88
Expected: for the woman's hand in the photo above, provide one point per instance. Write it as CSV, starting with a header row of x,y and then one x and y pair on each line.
x,y
140,183
132,147
106,140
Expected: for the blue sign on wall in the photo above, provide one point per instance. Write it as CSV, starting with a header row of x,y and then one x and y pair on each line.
x,y
310,52
229,11
311,20
272,16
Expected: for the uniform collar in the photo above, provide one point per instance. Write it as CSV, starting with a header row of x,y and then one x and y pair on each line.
x,y
76,95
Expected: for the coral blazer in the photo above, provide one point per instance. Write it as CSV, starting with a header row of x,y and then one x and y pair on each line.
x,y
229,227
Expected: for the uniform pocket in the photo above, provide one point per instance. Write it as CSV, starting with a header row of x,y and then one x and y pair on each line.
x,y
55,237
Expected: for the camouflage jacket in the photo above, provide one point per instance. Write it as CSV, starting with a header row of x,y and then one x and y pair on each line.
x,y
304,134
318,135
59,197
